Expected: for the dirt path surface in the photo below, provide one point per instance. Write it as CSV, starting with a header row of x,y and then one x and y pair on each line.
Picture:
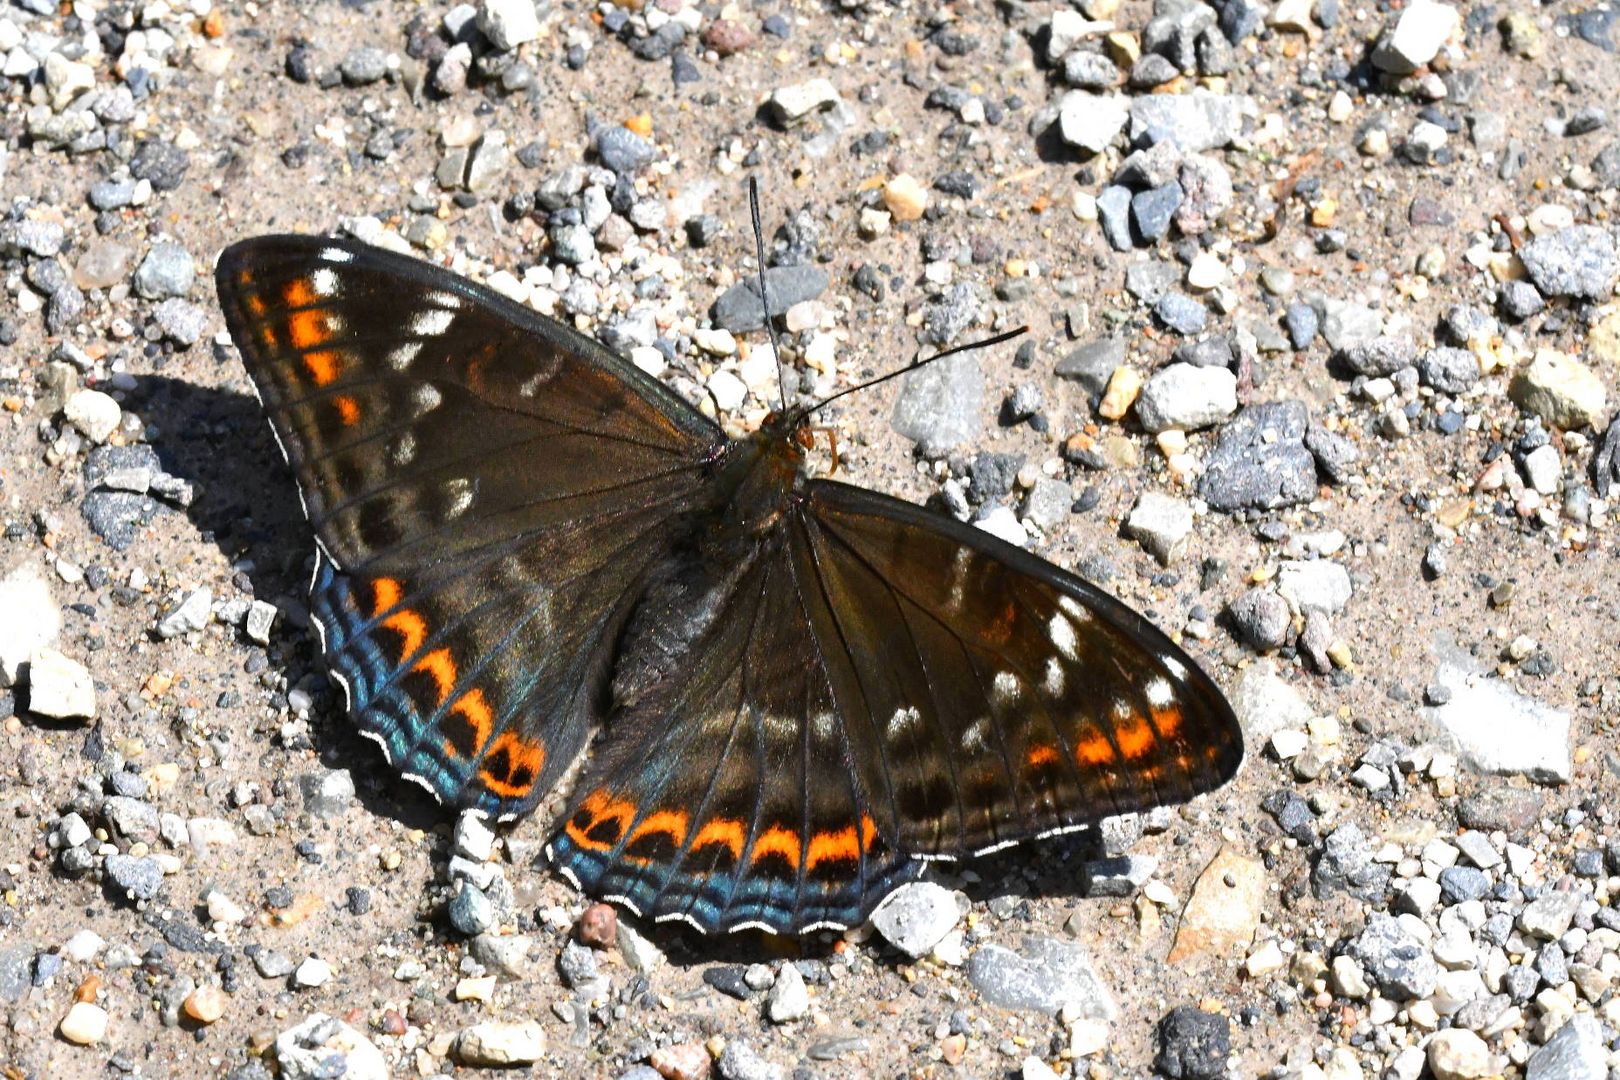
x,y
1323,338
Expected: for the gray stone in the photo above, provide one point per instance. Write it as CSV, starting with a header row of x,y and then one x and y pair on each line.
x,y
939,406
1579,261
327,794
181,321
1260,461
1335,455
1345,325
1048,503
41,239
1181,313
622,150
1090,70
1114,212
740,1061
1519,300
1262,618
16,972
131,819
789,998
1548,916
1575,1052
1374,357
1150,167
1044,976
1317,584
135,878
1206,194
1152,210
1193,1044
1448,370
1400,964
916,917
363,65
323,1047
487,162
470,911
739,309
1151,279
1093,364
1346,864
1197,121
1302,323
166,271
505,953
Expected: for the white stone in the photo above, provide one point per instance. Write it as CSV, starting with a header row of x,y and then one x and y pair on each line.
x,y
1036,1069
311,973
1090,121
640,955
299,1054
29,621
59,687
792,104
1421,30
1266,703
1317,583
83,946
66,79
1068,28
85,1024
1206,271
1161,524
1087,1036
715,342
1348,979
729,391
1497,730
1289,743
916,917
94,413
508,23
473,838
1186,398
1459,1054
1002,522
501,1043
1543,469
789,998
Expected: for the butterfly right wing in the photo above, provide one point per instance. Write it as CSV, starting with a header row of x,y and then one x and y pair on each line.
x,y
486,487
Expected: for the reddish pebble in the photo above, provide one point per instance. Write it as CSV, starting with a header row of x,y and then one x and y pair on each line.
x,y
686,1061
599,926
726,36
952,1048
393,1023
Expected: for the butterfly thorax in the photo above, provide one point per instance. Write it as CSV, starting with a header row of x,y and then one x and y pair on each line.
x,y
756,482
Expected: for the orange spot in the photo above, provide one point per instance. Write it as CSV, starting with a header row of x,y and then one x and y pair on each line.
x,y
844,844
1135,737
670,822
267,336
474,711
411,628
244,277
1168,721
348,410
596,808
385,593
777,841
255,304
521,761
322,366
727,832
1094,751
1040,755
442,667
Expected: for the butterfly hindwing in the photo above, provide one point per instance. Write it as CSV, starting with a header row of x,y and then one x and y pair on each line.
x,y
478,540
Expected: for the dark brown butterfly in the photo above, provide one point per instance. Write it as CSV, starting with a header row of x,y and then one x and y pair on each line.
x,y
805,690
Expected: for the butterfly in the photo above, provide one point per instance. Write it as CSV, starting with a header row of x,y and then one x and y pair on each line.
x,y
801,691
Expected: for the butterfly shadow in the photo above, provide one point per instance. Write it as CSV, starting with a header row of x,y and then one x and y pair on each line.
x,y
246,504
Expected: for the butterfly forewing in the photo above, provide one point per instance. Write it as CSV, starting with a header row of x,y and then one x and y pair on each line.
x,y
989,696
486,486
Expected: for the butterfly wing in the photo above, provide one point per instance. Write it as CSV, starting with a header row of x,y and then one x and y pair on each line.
x,y
485,486
991,697
883,686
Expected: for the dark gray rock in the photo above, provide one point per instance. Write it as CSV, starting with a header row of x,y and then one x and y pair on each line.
x,y
1181,313
134,878
1302,323
622,150
739,309
1260,461
1518,300
1382,355
1448,370
1093,364
1335,455
1193,1044
1400,965
1153,210
1346,864
1262,618
1114,212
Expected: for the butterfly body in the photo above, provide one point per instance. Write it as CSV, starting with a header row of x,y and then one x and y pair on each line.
x,y
799,690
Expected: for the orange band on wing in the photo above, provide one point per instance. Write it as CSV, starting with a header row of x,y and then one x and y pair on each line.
x,y
727,832
777,841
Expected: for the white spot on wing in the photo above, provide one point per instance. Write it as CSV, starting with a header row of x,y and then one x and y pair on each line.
x,y
1053,684
904,719
1075,609
824,724
460,493
1004,687
423,784
431,323
388,755
626,901
752,924
336,255
824,924
1159,693
531,386
1175,667
995,847
324,282
1123,710
404,449
402,356
1062,633
426,398
444,299
973,739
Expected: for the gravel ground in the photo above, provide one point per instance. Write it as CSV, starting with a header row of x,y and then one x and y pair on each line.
x,y
1323,325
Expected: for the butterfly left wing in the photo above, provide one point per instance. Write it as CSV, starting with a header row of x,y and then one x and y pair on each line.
x,y
883,686
485,485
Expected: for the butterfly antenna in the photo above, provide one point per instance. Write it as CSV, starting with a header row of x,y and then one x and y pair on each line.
x,y
804,413
764,298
